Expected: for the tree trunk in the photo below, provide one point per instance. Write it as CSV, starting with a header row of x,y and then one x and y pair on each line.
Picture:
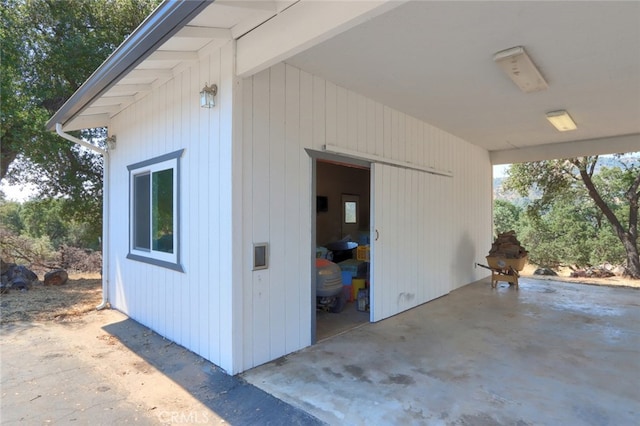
x,y
633,259
629,238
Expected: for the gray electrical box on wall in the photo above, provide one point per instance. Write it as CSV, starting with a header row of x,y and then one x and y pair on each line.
x,y
260,256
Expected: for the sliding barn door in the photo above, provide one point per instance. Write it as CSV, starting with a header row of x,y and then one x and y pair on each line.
x,y
410,250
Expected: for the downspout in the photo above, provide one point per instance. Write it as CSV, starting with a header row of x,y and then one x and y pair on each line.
x,y
105,211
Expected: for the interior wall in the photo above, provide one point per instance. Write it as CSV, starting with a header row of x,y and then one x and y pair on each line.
x,y
333,180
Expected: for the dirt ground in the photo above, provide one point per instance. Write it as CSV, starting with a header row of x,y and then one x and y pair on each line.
x,y
81,294
564,276
63,361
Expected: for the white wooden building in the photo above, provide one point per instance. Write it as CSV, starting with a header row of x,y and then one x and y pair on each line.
x,y
397,88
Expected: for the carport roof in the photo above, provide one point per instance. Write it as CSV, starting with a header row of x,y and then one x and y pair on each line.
x,y
432,60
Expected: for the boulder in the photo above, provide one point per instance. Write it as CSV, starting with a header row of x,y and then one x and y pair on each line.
x,y
619,270
17,277
598,272
56,277
545,271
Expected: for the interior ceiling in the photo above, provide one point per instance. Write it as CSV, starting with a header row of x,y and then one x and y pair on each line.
x,y
434,61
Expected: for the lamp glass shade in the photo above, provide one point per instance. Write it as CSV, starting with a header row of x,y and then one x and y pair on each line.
x,y
561,120
207,98
521,70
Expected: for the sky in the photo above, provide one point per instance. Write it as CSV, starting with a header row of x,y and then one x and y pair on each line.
x,y
16,193
500,170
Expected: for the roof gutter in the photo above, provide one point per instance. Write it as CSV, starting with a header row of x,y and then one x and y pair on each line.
x,y
73,139
105,211
162,24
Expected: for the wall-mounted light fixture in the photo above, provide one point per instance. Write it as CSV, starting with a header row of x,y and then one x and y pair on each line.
x,y
111,142
561,120
521,70
208,96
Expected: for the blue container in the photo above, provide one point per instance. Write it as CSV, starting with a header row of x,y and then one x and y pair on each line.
x,y
356,268
346,278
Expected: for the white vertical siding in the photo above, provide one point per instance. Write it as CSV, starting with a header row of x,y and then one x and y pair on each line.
x,y
265,196
193,308
286,111
410,257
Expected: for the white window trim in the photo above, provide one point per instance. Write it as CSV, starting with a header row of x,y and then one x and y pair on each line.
x,y
154,257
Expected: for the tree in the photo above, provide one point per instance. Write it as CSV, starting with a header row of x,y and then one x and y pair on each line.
x,y
615,193
506,216
49,48
564,233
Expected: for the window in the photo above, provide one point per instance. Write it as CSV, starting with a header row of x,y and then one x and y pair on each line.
x,y
350,210
154,201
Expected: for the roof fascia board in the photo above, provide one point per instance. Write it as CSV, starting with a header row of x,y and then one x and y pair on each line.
x,y
162,24
602,146
300,27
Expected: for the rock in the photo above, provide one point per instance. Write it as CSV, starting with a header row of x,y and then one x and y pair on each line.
x,y
18,277
56,277
619,270
593,272
25,272
598,272
20,283
545,271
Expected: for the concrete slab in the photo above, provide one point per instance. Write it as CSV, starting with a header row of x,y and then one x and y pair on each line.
x,y
551,353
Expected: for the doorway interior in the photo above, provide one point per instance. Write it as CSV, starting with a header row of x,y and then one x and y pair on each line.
x,y
343,214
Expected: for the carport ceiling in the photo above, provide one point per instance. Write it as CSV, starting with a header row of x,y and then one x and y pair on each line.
x,y
434,60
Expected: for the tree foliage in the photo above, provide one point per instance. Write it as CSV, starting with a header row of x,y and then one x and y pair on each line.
x,y
45,219
579,210
49,48
506,216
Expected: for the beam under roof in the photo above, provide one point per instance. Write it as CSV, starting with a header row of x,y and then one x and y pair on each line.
x,y
602,146
301,26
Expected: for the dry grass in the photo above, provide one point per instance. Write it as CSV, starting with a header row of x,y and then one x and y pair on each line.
x,y
563,275
79,295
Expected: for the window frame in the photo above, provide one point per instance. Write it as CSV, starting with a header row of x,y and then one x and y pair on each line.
x,y
151,256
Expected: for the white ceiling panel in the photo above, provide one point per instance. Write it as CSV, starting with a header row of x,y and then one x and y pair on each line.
x,y
433,60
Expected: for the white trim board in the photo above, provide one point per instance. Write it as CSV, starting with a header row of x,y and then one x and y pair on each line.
x,y
382,160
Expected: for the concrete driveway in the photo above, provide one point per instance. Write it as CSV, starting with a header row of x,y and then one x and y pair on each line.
x,y
551,353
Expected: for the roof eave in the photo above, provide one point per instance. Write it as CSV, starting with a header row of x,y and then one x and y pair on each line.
x,y
162,24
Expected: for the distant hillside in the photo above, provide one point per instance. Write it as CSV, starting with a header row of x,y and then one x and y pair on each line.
x,y
609,161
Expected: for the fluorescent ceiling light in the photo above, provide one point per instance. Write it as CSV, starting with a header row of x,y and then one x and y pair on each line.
x,y
561,120
520,68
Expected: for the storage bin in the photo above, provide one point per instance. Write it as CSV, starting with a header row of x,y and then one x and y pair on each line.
x,y
357,284
363,301
357,268
362,253
346,277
